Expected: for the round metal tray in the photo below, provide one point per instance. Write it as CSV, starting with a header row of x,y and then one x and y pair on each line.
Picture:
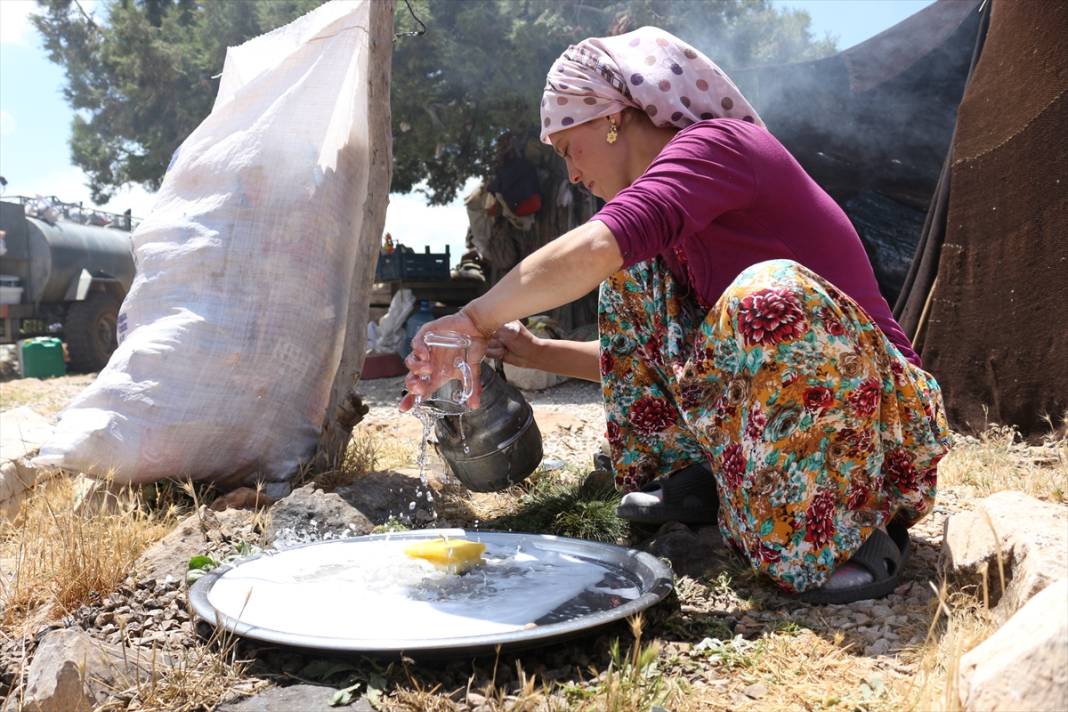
x,y
650,578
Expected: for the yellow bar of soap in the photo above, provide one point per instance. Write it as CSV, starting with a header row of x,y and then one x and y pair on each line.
x,y
455,554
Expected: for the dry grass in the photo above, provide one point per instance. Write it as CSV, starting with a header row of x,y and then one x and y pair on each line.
x,y
58,558
961,622
796,669
47,398
999,460
200,678
368,451
633,680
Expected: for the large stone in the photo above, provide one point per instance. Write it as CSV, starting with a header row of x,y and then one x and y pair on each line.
x,y
1024,665
93,496
1029,536
306,698
17,480
194,535
72,672
383,496
531,379
309,514
22,431
692,552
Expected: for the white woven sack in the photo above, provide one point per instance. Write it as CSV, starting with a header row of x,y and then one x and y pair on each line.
x,y
232,331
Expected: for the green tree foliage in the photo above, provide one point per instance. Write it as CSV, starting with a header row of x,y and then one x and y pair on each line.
x,y
141,74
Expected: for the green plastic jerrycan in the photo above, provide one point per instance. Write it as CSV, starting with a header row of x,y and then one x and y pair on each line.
x,y
42,357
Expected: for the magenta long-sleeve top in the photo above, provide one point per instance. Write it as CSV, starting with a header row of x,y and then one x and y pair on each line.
x,y
723,195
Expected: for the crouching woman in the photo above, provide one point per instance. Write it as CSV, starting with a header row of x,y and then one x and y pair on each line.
x,y
751,370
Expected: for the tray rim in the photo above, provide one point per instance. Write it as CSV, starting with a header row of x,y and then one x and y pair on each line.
x,y
656,585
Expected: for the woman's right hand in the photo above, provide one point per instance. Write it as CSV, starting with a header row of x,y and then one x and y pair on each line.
x,y
426,375
514,344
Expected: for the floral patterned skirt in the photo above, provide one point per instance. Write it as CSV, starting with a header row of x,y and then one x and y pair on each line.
x,y
817,429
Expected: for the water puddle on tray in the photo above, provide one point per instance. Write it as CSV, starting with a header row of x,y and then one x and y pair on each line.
x,y
385,594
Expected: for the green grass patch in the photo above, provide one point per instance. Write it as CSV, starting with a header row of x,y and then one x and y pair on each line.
x,y
559,504
391,525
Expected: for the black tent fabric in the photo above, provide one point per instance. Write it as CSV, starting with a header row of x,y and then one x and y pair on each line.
x,y
995,326
913,301
888,129
872,124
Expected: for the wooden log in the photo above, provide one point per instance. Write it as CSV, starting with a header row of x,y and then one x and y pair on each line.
x,y
345,409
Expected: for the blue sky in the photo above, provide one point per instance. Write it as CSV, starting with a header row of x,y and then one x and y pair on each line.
x,y
35,119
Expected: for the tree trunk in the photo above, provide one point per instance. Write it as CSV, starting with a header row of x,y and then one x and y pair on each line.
x,y
345,409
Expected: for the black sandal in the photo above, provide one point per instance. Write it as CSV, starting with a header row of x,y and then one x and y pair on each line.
x,y
883,555
689,498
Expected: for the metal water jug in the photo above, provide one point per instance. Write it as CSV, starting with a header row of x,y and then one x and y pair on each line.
x,y
495,445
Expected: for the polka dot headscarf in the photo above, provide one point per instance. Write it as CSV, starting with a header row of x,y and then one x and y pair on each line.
x,y
648,69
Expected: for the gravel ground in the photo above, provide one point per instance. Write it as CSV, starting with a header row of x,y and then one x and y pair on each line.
x,y
711,621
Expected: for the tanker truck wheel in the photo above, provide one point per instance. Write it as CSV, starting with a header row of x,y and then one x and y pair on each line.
x,y
90,331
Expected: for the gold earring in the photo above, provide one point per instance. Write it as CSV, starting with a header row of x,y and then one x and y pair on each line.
x,y
613,132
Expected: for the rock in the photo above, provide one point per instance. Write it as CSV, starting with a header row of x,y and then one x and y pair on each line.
x,y
22,431
242,498
17,479
306,698
71,671
879,647
234,523
1032,537
531,379
692,553
597,483
309,514
381,496
170,555
756,691
93,496
1024,665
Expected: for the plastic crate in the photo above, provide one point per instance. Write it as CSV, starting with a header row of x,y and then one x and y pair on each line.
x,y
413,267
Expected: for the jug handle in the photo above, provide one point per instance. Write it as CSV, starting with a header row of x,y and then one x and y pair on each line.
x,y
498,366
468,382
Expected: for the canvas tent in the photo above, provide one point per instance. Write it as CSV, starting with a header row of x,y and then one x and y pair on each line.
x,y
987,300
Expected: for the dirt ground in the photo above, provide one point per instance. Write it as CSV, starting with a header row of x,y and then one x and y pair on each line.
x,y
46,397
723,640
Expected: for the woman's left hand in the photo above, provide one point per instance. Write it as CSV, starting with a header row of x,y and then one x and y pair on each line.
x,y
422,380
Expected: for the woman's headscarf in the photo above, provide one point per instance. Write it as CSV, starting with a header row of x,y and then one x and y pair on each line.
x,y
648,69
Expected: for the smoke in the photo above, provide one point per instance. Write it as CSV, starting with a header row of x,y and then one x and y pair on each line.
x,y
878,116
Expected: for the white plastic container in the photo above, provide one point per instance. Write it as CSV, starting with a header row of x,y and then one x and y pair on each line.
x,y
10,291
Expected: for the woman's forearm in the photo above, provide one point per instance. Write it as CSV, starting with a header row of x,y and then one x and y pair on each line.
x,y
560,272
575,359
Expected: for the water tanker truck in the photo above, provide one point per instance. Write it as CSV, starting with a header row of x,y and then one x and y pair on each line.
x,y
63,270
